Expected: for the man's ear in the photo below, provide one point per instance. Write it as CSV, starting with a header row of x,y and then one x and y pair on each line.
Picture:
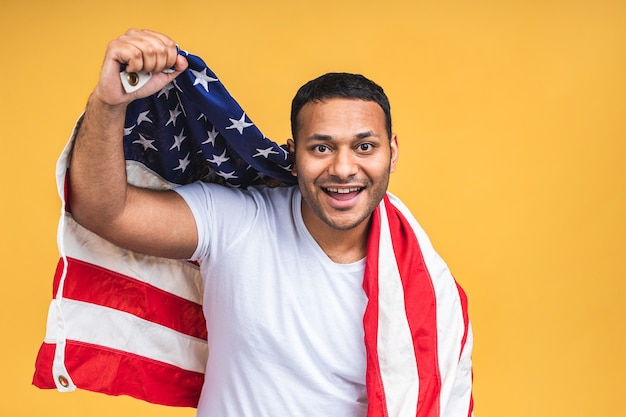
x,y
394,152
291,147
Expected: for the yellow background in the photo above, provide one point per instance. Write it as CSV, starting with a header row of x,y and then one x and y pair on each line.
x,y
512,127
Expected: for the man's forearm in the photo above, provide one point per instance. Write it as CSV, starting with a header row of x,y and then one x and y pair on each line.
x,y
97,174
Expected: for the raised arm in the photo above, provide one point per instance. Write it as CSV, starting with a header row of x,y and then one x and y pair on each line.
x,y
152,222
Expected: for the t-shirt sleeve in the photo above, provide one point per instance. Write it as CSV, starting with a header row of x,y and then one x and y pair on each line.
x,y
221,214
197,200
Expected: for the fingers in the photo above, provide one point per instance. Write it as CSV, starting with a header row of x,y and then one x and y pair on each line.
x,y
144,51
140,51
181,64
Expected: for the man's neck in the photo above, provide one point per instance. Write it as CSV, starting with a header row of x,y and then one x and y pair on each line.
x,y
341,246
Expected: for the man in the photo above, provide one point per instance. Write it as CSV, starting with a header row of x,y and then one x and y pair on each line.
x,y
285,323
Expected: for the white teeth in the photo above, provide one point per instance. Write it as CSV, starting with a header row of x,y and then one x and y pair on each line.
x,y
342,190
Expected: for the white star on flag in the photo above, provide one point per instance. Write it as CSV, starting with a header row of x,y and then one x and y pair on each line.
x,y
203,79
219,159
265,152
212,135
178,139
173,116
143,117
182,163
145,143
240,124
226,175
129,130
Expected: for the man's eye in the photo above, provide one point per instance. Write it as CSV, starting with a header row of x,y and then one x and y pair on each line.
x,y
321,148
365,147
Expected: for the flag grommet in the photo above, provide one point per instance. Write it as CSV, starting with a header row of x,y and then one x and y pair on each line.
x,y
133,78
63,381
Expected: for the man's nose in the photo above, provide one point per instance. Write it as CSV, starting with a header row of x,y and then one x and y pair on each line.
x,y
343,164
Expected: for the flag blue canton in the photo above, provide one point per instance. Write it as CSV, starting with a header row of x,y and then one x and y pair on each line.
x,y
193,130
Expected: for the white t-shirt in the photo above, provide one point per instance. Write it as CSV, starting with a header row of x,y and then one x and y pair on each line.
x,y
285,323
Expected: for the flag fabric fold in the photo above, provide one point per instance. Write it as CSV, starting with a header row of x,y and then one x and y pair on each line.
x,y
418,337
124,323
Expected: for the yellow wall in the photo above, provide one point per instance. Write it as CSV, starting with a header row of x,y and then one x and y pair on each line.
x,y
512,125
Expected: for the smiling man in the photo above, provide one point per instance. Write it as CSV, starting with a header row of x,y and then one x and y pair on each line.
x,y
286,323
344,153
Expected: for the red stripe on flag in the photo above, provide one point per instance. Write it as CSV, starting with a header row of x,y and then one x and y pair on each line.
x,y
376,406
113,372
96,285
421,309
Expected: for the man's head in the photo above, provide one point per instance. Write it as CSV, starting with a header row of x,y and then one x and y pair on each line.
x,y
339,85
343,150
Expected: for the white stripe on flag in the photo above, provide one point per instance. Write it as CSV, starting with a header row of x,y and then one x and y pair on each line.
x,y
462,386
140,175
398,365
177,277
118,330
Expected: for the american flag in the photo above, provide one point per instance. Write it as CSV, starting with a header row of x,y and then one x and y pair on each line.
x,y
124,323
171,133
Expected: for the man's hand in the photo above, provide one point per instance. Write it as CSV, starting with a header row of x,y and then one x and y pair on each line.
x,y
140,51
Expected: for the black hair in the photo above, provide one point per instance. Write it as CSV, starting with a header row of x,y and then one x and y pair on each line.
x,y
339,85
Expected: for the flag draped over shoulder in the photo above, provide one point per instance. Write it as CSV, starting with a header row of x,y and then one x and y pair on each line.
x,y
125,323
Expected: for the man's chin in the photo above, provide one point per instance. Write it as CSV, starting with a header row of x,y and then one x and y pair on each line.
x,y
345,224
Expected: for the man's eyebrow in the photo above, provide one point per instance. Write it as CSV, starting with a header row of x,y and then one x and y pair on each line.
x,y
323,137
364,135
318,136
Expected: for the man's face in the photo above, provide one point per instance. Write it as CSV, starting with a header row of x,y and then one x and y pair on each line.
x,y
343,159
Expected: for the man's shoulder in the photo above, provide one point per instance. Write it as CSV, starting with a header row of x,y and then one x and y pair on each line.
x,y
272,198
271,191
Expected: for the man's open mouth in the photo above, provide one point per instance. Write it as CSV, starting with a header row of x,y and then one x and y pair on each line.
x,y
343,194
332,190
